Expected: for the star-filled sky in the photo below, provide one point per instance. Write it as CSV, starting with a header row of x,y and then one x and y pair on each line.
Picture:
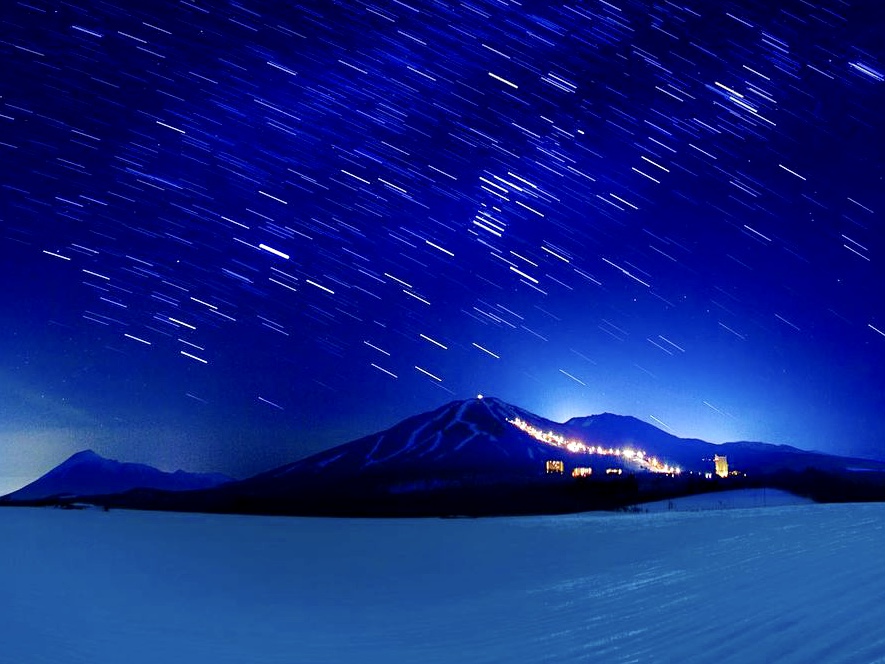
x,y
235,233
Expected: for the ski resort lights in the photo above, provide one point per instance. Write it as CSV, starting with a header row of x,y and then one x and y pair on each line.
x,y
555,466
575,446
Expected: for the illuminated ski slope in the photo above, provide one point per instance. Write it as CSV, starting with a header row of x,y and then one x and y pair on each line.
x,y
635,457
786,584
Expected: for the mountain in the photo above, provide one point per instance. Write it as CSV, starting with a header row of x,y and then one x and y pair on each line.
x,y
483,456
621,431
487,457
752,458
463,458
89,474
463,438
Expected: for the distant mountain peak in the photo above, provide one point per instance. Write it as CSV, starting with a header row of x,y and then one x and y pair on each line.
x,y
87,473
606,417
85,455
485,404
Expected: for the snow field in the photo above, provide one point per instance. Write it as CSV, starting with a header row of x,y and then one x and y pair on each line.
x,y
788,584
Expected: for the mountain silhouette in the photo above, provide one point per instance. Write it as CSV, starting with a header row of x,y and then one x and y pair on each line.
x,y
477,457
89,474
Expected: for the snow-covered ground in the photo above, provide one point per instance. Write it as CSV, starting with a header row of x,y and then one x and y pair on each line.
x,y
726,500
802,583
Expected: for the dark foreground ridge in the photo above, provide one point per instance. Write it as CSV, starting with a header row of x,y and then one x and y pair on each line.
x,y
480,457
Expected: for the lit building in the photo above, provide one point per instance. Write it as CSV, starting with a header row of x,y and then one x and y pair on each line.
x,y
614,471
555,466
582,472
721,465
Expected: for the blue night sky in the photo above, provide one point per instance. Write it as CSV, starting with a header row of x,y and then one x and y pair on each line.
x,y
235,233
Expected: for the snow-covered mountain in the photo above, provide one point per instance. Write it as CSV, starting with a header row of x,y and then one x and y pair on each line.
x,y
463,437
621,431
89,474
487,456
482,456
487,437
753,458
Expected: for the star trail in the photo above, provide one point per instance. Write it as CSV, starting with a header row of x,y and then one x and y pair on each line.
x,y
234,233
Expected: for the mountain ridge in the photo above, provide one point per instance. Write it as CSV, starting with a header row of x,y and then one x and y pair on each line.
x,y
484,456
88,473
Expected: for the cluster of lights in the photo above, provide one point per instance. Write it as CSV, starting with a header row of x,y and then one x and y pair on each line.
x,y
578,447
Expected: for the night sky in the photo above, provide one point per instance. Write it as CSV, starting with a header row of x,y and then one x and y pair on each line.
x,y
235,233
